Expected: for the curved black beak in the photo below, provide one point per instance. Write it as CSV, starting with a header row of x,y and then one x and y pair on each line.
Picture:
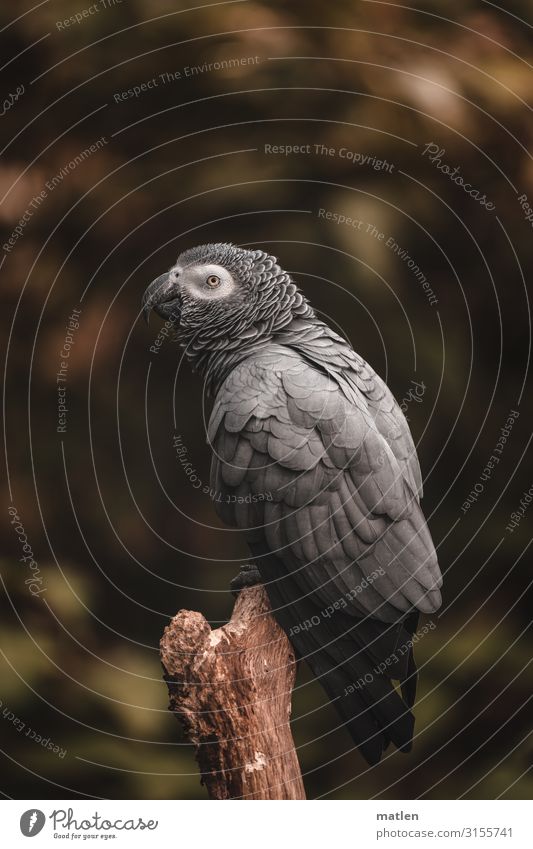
x,y
160,291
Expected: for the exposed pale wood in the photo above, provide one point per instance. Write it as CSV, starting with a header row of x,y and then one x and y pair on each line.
x,y
231,689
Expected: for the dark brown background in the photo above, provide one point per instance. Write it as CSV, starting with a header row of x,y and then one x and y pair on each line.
x,y
121,537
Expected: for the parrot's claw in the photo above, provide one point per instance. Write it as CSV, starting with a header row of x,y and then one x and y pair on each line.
x,y
248,577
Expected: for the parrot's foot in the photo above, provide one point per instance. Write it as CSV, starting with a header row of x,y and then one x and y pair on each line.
x,y
247,577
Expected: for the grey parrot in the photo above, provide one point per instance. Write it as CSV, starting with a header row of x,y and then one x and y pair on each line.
x,y
314,461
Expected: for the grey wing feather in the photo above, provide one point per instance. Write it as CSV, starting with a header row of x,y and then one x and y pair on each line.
x,y
363,387
335,500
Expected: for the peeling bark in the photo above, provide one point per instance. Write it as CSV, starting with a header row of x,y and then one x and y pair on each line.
x,y
231,689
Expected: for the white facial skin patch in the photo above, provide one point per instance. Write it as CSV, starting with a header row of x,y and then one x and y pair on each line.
x,y
205,282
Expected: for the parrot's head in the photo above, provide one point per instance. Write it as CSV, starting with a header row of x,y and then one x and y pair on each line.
x,y
221,296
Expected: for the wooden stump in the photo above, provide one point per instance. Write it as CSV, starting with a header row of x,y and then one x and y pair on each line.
x,y
231,689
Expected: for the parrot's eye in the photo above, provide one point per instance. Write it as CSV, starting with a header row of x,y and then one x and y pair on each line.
x,y
213,281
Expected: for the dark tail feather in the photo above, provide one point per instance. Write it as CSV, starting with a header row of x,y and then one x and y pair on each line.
x,y
356,671
357,716
355,660
409,682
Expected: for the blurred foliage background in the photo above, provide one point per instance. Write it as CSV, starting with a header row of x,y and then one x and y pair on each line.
x,y
121,537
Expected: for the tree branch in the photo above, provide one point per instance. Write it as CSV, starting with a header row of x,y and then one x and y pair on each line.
x,y
231,689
